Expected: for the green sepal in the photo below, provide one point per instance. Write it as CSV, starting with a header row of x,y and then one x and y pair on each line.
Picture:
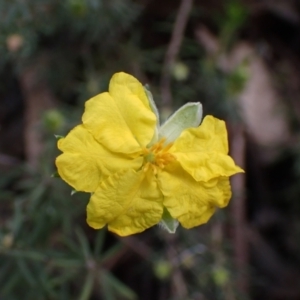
x,y
58,137
73,192
151,102
168,222
55,175
155,111
187,116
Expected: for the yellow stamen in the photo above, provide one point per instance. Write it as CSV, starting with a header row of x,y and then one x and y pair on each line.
x,y
157,156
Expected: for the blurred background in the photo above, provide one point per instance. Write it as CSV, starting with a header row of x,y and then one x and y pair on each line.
x,y
241,59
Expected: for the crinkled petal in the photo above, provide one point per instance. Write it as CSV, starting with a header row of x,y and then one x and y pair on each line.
x,y
202,151
121,119
206,166
127,202
189,201
210,136
85,162
222,192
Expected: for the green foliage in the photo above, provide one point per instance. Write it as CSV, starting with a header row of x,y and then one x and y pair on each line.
x,y
29,28
235,17
44,251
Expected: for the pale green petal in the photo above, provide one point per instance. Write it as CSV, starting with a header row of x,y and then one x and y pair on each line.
x,y
187,116
85,162
127,202
121,119
192,203
202,151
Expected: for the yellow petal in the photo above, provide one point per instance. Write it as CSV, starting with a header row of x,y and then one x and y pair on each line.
x,y
202,151
206,166
189,201
127,202
211,136
121,119
221,193
85,162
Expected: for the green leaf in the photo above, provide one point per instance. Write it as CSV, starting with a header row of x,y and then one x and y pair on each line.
x,y
87,287
84,243
26,272
189,115
111,252
99,242
119,287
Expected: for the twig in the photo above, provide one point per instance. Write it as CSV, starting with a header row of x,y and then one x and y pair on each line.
x,y
137,246
131,245
173,49
178,285
220,258
38,98
238,145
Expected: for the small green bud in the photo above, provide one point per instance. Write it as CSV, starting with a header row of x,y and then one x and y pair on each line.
x,y
180,71
220,276
78,7
53,120
162,269
7,240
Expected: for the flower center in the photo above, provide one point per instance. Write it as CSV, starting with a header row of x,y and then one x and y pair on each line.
x,y
157,156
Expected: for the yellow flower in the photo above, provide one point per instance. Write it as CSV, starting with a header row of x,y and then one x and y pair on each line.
x,y
140,173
